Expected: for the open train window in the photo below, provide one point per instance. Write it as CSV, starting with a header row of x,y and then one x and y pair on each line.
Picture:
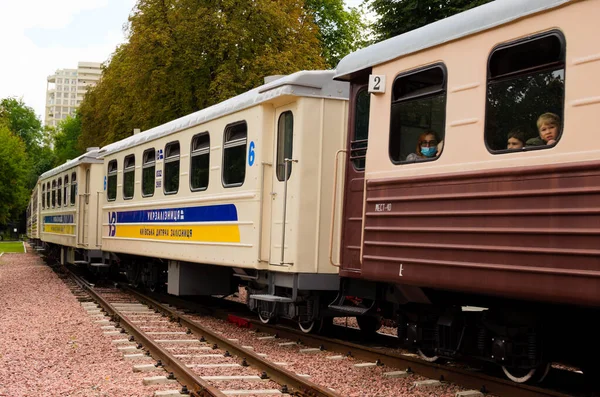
x,y
285,138
48,194
148,172
111,181
43,196
73,187
53,193
358,145
525,94
171,176
59,193
66,191
234,154
128,176
200,165
418,114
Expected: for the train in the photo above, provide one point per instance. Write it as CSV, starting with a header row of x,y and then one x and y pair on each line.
x,y
415,183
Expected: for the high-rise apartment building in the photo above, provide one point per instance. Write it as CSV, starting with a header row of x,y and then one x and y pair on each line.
x,y
65,90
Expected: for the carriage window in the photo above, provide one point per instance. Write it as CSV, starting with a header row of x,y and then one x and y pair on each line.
x,y
73,187
200,165
59,192
53,194
525,94
148,172
285,137
418,115
48,195
66,191
358,145
43,196
128,176
171,176
234,154
111,181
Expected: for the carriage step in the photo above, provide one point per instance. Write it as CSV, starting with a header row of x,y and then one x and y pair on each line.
x,y
100,264
271,298
80,263
351,310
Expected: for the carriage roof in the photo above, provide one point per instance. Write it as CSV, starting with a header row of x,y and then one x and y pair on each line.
x,y
91,156
319,84
472,21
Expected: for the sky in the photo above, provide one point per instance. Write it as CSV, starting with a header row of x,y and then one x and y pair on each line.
x,y
41,36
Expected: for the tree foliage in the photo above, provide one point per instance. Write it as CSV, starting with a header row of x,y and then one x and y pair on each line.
x,y
401,16
185,55
340,30
22,121
66,140
14,169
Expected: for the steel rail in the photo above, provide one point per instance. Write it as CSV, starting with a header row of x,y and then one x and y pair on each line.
x,y
195,385
295,383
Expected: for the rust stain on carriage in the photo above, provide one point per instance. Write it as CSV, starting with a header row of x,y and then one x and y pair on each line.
x,y
525,232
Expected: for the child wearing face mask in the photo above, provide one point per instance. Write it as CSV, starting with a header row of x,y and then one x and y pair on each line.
x,y
548,125
428,146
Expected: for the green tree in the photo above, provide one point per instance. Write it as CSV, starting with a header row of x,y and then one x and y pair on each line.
x,y
340,30
22,121
185,55
14,171
66,140
401,16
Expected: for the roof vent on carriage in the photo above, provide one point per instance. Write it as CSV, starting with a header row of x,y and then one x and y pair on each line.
x,y
92,148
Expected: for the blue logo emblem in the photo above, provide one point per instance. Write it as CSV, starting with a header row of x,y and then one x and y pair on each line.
x,y
160,154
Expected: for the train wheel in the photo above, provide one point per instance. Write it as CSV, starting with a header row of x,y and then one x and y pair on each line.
x,y
428,355
524,375
309,326
368,324
264,319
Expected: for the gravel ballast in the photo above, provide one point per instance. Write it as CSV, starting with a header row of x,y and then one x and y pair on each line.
x,y
49,345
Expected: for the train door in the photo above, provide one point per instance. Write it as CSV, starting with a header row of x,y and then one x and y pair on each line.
x,y
86,208
281,195
355,177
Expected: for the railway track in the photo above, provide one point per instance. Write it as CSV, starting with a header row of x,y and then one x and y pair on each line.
x,y
387,356
133,315
123,315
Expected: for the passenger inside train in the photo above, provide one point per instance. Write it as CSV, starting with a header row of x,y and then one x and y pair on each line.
x,y
428,146
548,125
516,139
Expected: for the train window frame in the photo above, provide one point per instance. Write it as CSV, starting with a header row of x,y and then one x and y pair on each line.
x,y
492,79
147,163
197,152
53,193
358,146
59,193
284,142
73,188
48,195
66,191
431,92
43,196
112,170
172,161
129,173
231,142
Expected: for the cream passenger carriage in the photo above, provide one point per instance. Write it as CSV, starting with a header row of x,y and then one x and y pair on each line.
x,y
69,209
212,191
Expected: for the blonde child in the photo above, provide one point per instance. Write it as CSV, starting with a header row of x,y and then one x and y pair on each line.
x,y
548,125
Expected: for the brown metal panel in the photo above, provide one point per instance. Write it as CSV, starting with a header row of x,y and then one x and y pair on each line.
x,y
353,200
525,233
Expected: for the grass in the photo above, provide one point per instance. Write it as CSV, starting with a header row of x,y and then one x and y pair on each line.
x,y
12,246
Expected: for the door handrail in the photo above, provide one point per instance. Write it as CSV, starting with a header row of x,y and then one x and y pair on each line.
x,y
332,228
264,164
285,183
